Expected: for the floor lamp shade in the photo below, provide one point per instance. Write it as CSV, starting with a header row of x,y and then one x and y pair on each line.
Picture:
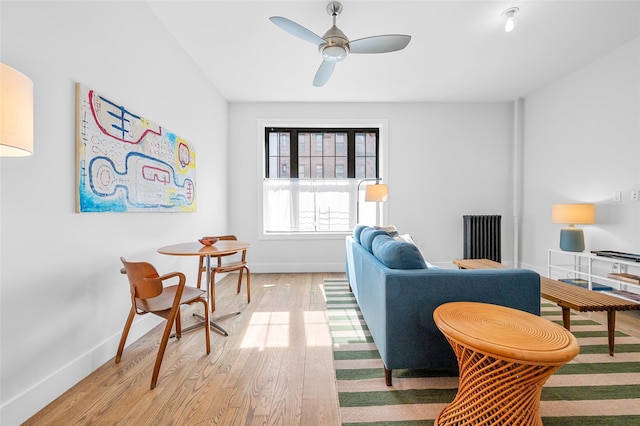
x,y
16,113
572,238
378,192
373,193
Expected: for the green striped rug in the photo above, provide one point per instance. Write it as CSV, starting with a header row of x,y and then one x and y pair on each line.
x,y
593,389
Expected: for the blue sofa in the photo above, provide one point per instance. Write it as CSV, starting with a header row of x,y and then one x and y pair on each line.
x,y
397,292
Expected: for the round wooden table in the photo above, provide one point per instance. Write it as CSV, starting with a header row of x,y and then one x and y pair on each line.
x,y
220,248
505,356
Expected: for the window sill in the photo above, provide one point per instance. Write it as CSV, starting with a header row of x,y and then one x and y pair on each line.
x,y
304,236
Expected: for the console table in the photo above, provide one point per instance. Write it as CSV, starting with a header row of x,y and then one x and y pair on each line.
x,y
597,271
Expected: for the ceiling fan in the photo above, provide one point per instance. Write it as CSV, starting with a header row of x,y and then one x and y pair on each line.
x,y
334,46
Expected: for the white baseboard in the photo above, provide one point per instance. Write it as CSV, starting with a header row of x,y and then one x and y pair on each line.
x,y
299,268
23,406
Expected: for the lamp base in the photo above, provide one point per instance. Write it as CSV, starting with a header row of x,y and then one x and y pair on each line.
x,y
571,239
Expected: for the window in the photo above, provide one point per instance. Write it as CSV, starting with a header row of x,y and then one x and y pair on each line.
x,y
312,175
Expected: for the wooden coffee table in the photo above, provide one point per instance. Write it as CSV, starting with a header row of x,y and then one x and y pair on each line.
x,y
504,356
568,296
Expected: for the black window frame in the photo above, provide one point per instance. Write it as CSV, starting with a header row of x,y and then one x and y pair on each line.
x,y
293,147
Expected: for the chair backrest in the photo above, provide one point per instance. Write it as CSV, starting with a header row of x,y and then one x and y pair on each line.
x,y
229,238
138,273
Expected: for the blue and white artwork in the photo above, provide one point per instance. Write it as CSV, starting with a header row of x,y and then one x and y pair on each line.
x,y
126,163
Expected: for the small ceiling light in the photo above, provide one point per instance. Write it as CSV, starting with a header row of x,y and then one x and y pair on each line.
x,y
508,14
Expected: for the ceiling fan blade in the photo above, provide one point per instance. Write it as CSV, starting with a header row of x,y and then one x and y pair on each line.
x,y
296,30
379,44
324,73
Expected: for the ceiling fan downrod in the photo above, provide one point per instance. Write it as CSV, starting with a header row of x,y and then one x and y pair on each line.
x,y
336,46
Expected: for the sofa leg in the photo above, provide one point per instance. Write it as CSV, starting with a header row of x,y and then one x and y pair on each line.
x,y
387,376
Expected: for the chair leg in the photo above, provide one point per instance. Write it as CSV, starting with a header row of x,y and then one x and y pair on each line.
x,y
240,273
239,280
212,291
178,325
248,285
206,329
125,333
163,344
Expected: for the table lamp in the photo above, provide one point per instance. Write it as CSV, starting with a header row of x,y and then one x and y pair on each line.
x,y
572,238
16,113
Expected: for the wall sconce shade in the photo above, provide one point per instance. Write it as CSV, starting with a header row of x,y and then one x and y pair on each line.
x,y
572,238
16,113
378,192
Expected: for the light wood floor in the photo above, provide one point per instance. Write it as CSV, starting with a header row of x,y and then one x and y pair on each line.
x,y
276,366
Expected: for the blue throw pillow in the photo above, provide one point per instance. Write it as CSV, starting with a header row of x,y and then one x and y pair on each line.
x,y
368,234
357,231
397,255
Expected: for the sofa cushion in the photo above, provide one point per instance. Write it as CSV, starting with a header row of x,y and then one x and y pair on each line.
x,y
367,236
396,254
357,231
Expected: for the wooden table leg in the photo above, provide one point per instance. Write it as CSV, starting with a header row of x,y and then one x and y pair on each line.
x,y
566,317
611,329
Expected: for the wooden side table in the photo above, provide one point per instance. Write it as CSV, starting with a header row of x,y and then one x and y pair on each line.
x,y
505,356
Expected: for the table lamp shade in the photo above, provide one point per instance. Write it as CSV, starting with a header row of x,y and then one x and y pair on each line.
x,y
572,238
573,214
16,113
378,192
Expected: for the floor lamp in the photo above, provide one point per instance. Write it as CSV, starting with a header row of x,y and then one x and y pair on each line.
x,y
373,193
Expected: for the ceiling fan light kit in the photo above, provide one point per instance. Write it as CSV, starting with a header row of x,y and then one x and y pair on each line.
x,y
334,53
334,46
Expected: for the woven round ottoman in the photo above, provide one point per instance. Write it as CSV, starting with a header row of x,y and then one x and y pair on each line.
x,y
504,356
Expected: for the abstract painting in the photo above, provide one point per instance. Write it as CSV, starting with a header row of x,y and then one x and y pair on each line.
x,y
127,163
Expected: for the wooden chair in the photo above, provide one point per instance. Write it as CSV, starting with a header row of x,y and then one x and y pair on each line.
x,y
149,296
239,265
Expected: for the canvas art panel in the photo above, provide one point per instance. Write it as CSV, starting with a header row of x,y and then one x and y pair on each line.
x,y
127,163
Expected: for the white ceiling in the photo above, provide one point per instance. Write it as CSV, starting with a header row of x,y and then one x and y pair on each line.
x,y
459,51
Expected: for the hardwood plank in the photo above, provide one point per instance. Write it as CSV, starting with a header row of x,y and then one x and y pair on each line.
x,y
275,367
221,388
320,395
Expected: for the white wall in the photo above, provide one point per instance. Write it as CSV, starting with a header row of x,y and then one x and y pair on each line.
x,y
582,143
444,161
63,300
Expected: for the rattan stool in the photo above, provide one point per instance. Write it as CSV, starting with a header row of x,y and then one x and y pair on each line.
x,y
504,356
